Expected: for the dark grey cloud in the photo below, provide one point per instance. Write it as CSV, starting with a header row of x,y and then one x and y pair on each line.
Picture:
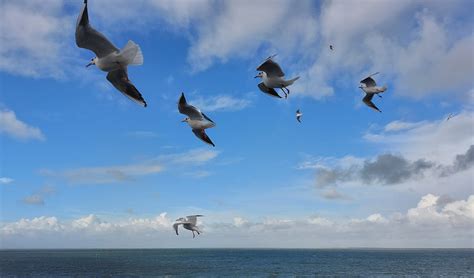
x,y
464,161
390,169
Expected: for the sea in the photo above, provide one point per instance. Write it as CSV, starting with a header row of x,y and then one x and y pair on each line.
x,y
238,263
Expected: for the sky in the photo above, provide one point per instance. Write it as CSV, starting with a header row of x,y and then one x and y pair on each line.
x,y
82,166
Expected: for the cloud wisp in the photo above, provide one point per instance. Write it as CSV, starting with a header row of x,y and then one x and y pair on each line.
x,y
130,172
38,198
12,126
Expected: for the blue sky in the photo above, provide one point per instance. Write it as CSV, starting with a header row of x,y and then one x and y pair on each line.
x,y
83,164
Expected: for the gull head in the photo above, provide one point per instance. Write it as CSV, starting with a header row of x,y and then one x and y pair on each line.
x,y
260,74
185,120
92,62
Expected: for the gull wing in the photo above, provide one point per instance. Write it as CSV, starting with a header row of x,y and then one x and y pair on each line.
x,y
175,227
368,101
271,68
369,82
193,218
268,91
192,112
89,38
201,134
119,78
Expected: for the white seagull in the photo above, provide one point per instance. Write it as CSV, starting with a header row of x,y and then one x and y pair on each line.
x,y
272,77
196,120
108,57
450,116
189,223
298,115
370,88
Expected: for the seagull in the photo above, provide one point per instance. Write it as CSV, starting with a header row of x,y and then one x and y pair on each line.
x,y
109,58
272,77
196,120
189,223
450,116
298,115
370,88
331,47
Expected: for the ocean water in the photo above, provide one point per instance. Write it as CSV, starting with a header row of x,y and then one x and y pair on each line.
x,y
238,263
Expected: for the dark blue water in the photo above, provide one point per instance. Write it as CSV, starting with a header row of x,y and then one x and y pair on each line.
x,y
238,262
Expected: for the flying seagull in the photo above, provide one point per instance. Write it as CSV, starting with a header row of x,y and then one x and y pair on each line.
x,y
196,120
298,115
272,77
189,223
370,88
450,116
108,57
331,47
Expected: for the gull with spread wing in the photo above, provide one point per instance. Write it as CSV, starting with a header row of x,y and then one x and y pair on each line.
x,y
197,120
109,58
298,115
369,86
273,77
189,223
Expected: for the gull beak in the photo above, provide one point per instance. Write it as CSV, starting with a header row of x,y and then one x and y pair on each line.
x,y
256,76
90,64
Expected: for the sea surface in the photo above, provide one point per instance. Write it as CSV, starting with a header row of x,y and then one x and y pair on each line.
x,y
238,263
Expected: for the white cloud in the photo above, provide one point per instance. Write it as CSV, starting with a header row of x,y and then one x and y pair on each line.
x,y
390,43
437,140
35,36
220,103
401,125
10,125
425,225
5,180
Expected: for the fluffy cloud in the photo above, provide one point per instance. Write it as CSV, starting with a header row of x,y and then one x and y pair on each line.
x,y
404,39
12,126
35,36
432,214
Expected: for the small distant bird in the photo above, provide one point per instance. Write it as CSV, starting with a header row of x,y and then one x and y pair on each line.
x,y
450,116
370,88
272,77
189,223
196,120
331,47
108,57
298,115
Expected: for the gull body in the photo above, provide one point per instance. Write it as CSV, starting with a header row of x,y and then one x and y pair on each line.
x,y
189,223
370,88
108,57
273,77
197,120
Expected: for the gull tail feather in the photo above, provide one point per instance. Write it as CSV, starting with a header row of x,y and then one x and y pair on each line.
x,y
291,81
132,54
